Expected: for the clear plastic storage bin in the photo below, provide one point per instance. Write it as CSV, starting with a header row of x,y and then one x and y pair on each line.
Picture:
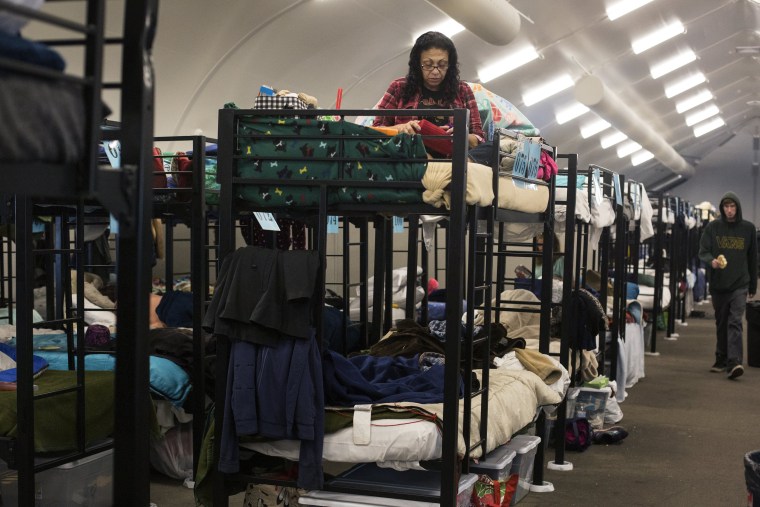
x,y
525,447
369,477
88,481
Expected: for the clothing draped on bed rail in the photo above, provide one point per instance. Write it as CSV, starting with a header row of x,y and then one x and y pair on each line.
x,y
262,303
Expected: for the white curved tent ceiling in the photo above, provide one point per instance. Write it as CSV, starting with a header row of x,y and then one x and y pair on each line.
x,y
209,53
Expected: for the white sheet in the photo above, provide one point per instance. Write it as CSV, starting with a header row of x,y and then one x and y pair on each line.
x,y
582,208
514,397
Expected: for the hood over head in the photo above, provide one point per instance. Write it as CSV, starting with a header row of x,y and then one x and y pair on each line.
x,y
733,197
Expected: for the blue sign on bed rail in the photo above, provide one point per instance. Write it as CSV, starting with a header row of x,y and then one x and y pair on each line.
x,y
527,159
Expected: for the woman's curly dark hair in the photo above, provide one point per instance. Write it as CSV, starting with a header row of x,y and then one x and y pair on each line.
x,y
414,82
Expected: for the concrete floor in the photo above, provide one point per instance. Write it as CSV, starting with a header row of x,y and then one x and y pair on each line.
x,y
688,432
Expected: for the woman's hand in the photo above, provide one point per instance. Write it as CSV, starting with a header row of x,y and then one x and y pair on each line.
x,y
472,139
411,127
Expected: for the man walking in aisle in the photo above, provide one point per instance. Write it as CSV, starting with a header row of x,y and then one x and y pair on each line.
x,y
729,246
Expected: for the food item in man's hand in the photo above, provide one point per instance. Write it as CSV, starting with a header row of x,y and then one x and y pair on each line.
x,y
722,262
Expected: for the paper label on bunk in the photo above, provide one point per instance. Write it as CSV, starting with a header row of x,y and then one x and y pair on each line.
x,y
267,221
113,224
362,424
332,224
597,186
398,225
618,193
113,152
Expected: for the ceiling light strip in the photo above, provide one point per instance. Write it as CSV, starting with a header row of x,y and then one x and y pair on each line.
x,y
546,90
508,64
708,126
673,63
685,84
571,113
641,156
594,128
693,101
627,148
657,37
702,115
612,139
623,7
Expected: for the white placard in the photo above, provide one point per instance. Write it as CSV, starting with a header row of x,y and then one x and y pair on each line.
x,y
266,221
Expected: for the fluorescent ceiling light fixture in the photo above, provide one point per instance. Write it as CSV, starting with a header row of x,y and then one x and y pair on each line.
x,y
641,156
623,7
672,64
571,113
657,37
449,28
702,115
684,84
694,101
508,64
627,148
546,90
708,126
611,140
594,128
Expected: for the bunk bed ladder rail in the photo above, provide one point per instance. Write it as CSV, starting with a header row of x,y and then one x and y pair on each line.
x,y
570,277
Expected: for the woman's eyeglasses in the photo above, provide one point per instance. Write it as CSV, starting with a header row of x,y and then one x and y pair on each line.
x,y
429,67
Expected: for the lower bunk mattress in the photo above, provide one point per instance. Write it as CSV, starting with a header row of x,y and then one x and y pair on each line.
x,y
400,435
55,417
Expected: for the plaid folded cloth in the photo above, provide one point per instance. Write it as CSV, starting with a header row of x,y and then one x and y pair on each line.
x,y
278,102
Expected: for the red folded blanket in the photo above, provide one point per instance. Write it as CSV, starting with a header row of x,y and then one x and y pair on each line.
x,y
441,146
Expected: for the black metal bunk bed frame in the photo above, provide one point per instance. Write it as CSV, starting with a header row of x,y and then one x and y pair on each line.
x,y
189,205
575,249
459,216
609,254
126,193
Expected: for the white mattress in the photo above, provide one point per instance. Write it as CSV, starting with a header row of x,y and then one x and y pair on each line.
x,y
514,398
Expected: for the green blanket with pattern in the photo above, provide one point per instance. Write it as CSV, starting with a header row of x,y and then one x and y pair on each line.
x,y
290,149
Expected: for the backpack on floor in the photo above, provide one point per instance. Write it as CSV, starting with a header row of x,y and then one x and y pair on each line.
x,y
578,434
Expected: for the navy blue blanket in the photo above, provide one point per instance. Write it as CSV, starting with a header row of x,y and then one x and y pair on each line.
x,y
372,379
9,375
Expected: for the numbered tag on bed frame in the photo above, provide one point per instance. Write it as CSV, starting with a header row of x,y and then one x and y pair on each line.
x,y
618,193
266,221
398,225
332,224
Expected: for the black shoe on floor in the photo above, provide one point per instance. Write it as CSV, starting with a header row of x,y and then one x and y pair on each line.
x,y
718,367
609,436
735,372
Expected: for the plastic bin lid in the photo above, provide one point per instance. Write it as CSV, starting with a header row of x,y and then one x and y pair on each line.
x,y
523,444
606,389
369,477
498,459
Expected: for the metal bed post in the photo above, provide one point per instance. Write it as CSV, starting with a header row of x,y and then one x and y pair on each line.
x,y
559,462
